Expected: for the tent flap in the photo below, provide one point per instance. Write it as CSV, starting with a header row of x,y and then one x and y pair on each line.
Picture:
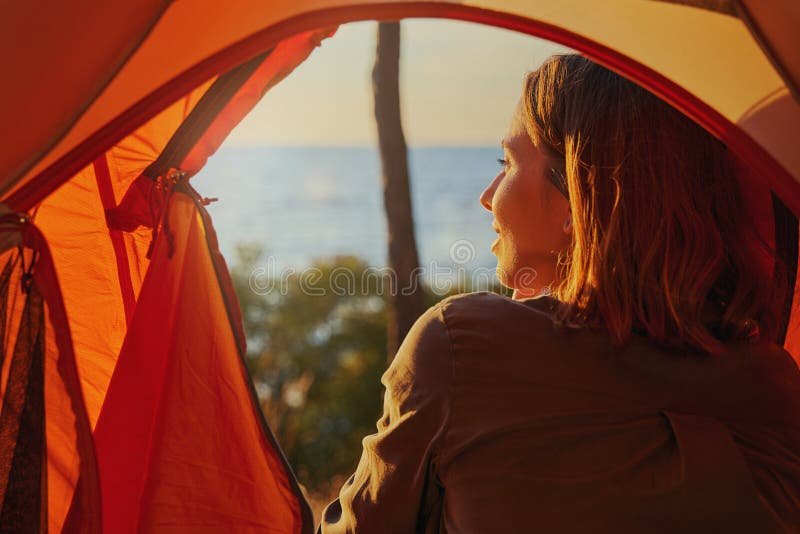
x,y
180,439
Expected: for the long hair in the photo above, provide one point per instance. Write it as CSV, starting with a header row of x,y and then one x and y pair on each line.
x,y
662,241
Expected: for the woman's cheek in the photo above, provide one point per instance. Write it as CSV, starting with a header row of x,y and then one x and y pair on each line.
x,y
507,203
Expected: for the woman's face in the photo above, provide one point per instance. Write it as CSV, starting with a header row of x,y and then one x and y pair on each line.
x,y
531,218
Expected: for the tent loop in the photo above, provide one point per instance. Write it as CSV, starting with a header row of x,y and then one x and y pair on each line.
x,y
185,187
159,208
160,194
26,280
11,224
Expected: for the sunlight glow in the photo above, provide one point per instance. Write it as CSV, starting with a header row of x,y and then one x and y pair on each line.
x,y
459,85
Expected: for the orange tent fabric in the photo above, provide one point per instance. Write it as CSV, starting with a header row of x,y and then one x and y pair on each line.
x,y
29,41
105,225
142,342
108,278
44,429
181,440
689,56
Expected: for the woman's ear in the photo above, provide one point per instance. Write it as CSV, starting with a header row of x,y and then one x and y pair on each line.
x,y
567,227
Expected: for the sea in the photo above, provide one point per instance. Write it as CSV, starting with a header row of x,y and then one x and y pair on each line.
x,y
303,203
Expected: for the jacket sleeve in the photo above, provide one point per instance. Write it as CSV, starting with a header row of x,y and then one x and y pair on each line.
x,y
394,487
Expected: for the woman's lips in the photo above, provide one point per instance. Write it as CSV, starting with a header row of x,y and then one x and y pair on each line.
x,y
496,241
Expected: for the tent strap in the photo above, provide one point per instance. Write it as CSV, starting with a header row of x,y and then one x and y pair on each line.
x,y
201,117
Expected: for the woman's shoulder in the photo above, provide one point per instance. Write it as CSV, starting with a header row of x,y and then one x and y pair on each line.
x,y
479,318
469,331
490,322
484,309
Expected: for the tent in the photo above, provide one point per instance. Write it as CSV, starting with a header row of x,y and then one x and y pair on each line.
x,y
126,405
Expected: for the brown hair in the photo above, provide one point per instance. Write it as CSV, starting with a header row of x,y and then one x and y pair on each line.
x,y
661,238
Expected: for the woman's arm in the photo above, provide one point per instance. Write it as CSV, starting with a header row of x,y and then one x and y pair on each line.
x,y
394,488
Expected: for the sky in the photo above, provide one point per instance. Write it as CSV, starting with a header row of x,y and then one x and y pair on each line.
x,y
459,85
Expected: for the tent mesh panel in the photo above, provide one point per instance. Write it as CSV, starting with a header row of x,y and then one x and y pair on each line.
x,y
22,425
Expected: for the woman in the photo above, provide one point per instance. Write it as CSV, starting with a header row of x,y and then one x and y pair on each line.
x,y
631,384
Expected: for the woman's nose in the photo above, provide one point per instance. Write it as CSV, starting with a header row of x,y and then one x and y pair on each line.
x,y
488,194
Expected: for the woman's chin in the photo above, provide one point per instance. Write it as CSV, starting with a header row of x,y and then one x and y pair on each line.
x,y
523,281
502,272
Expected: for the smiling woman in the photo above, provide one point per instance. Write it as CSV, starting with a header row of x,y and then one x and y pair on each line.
x,y
647,394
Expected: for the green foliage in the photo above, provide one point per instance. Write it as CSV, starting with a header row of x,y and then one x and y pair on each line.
x,y
316,356
316,360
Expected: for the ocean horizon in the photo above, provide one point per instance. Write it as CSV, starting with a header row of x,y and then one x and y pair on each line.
x,y
300,203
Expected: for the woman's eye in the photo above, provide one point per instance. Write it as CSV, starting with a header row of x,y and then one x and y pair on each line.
x,y
503,162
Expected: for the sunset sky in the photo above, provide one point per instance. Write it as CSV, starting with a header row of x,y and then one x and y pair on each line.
x,y
459,85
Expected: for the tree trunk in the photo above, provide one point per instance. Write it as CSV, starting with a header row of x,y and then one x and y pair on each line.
x,y
405,297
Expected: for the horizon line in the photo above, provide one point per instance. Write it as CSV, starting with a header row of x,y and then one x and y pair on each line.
x,y
358,145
